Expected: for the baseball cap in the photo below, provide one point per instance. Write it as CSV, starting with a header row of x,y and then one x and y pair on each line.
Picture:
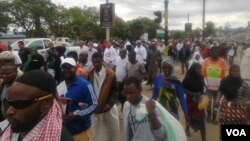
x,y
95,45
70,61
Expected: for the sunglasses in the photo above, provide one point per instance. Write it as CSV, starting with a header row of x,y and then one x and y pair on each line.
x,y
23,103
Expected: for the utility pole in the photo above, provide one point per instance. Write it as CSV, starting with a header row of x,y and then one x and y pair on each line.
x,y
166,21
188,24
203,20
107,29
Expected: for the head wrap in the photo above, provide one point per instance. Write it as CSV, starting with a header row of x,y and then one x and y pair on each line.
x,y
39,79
33,47
230,85
169,61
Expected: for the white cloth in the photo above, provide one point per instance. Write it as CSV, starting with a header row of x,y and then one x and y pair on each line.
x,y
120,70
90,53
245,65
109,56
87,67
98,80
141,54
179,46
105,126
194,60
82,49
18,60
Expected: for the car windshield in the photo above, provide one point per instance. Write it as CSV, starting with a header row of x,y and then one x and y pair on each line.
x,y
68,40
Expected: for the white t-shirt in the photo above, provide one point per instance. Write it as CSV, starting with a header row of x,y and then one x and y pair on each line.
x,y
179,46
83,49
90,53
109,56
141,54
120,70
17,58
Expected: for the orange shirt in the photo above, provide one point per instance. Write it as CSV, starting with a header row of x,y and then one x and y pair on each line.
x,y
214,69
81,72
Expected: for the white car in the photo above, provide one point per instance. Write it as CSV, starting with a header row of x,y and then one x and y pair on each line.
x,y
40,43
62,41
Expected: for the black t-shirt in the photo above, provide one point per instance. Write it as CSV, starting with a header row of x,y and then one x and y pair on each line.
x,y
36,62
23,54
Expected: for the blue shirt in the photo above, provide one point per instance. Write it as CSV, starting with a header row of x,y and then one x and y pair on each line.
x,y
83,104
159,83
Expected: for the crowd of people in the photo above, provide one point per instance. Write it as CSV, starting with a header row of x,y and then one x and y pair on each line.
x,y
93,79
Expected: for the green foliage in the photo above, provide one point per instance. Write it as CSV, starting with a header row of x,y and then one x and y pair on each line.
x,y
210,29
142,25
4,17
177,34
41,18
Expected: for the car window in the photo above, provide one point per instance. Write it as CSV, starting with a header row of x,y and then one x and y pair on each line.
x,y
67,40
46,43
38,44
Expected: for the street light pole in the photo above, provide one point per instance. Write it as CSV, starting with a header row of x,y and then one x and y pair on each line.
x,y
203,20
107,29
166,21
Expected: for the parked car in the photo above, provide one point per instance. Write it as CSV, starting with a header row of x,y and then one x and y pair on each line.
x,y
41,43
63,41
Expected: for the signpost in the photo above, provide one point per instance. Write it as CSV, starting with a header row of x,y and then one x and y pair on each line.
x,y
107,17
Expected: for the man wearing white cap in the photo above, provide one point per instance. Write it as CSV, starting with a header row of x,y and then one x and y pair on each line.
x,y
83,101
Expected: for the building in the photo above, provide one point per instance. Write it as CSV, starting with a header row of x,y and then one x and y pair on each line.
x,y
7,39
248,32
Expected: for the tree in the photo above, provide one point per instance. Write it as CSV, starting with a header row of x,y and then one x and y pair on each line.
x,y
210,29
177,34
29,15
4,17
142,25
196,33
121,29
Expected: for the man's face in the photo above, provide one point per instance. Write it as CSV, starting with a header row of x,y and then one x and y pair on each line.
x,y
97,63
8,74
138,44
23,118
123,54
81,43
122,45
68,71
132,93
215,52
83,57
20,45
50,44
131,57
90,45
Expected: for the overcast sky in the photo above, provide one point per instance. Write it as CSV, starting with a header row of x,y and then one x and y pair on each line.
x,y
235,12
